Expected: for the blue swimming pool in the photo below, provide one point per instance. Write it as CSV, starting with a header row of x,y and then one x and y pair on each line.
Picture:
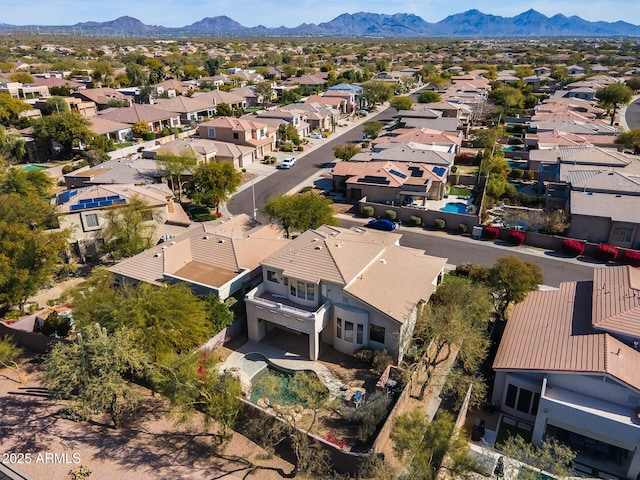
x,y
455,207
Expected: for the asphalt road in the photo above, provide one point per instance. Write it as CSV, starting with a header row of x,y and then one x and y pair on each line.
x,y
485,253
632,114
284,180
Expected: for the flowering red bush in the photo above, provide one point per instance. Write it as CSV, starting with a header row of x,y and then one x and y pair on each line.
x,y
516,237
607,253
632,257
490,233
571,247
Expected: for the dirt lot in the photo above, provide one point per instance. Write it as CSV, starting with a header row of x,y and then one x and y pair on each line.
x,y
148,447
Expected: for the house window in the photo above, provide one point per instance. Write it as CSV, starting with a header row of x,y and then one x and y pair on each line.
x,y
286,281
211,132
376,333
622,234
91,220
512,393
360,334
348,332
522,400
236,136
303,290
272,276
339,327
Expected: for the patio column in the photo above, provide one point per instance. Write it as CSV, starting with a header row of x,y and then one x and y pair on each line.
x,y
314,345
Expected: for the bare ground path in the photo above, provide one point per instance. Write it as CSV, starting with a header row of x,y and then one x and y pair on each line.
x,y
147,447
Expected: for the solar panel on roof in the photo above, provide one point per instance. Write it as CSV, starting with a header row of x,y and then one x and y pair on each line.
x,y
397,173
439,171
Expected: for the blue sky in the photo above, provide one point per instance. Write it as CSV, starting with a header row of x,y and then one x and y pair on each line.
x,y
291,13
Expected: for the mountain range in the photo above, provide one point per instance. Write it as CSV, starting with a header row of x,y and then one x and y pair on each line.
x,y
471,23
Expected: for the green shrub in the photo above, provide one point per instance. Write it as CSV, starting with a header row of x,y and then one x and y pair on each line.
x,y
439,223
415,221
364,355
300,148
381,360
205,217
517,173
306,189
368,211
148,136
454,169
529,175
286,147
391,215
462,228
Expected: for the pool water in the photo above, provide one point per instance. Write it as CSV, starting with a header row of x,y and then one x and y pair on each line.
x,y
280,387
34,167
455,207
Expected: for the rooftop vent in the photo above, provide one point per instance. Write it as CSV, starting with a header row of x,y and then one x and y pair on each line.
x,y
318,247
221,240
383,261
173,243
206,237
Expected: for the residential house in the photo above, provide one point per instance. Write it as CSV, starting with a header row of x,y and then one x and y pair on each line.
x,y
240,132
350,99
422,137
216,97
332,286
222,258
116,131
575,70
157,118
406,152
319,117
101,96
335,102
204,149
82,210
567,365
252,97
191,109
427,118
276,117
123,171
400,183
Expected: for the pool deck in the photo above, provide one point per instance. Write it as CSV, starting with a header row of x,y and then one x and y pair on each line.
x,y
281,359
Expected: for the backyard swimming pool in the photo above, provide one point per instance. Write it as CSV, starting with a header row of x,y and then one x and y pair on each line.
x,y
280,386
34,167
455,207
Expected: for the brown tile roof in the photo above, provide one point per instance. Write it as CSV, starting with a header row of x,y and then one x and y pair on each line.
x,y
551,331
616,301
230,246
369,264
136,113
397,281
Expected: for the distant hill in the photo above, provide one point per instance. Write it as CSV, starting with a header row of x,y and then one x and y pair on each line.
x,y
470,23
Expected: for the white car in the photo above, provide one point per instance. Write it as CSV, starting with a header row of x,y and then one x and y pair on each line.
x,y
315,135
288,162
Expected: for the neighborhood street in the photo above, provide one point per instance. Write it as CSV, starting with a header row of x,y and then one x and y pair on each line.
x,y
281,181
460,249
